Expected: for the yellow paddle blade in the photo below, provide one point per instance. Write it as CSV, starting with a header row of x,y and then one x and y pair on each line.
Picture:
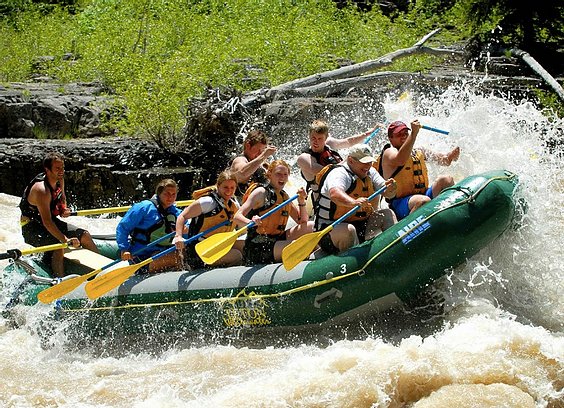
x,y
404,96
108,281
60,289
213,248
301,248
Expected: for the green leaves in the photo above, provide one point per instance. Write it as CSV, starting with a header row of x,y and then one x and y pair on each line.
x,y
158,54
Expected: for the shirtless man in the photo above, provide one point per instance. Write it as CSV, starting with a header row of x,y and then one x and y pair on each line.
x,y
42,203
250,166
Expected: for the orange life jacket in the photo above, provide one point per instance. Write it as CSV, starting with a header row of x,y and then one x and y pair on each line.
x,y
220,213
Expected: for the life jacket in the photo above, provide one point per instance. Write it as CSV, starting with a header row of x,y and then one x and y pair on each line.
x,y
412,177
165,225
56,205
327,156
275,224
221,212
326,211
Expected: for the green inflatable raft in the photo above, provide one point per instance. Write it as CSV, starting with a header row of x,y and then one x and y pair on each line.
x,y
396,264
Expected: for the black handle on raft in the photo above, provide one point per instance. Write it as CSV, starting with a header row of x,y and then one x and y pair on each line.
x,y
11,254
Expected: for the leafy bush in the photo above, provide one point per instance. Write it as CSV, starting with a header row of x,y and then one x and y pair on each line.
x,y
158,54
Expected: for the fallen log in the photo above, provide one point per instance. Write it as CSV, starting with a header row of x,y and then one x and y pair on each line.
x,y
538,68
355,70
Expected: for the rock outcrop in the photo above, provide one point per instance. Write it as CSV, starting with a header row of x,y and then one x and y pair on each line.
x,y
99,173
48,110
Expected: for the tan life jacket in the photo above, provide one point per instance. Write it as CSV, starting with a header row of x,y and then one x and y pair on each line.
x,y
274,224
327,211
412,177
221,212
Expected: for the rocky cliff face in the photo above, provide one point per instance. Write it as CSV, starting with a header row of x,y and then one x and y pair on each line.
x,y
99,173
47,110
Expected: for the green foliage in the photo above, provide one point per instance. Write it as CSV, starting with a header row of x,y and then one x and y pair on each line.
x,y
522,24
551,104
157,54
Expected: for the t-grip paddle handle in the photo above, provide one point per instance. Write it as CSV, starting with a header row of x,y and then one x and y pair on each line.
x,y
11,254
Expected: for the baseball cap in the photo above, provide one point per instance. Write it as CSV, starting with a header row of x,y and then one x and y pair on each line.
x,y
362,153
396,127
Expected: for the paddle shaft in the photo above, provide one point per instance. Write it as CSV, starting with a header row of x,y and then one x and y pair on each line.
x,y
190,239
432,129
300,249
371,135
267,214
110,210
17,253
272,211
357,207
212,249
140,250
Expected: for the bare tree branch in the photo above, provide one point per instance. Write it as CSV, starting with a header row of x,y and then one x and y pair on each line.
x,y
362,67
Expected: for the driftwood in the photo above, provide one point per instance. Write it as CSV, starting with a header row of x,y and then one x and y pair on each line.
x,y
549,79
341,78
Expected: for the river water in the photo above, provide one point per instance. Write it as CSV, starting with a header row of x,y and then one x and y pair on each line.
x,y
498,342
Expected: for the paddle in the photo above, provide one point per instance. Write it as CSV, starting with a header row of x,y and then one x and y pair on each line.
x,y
375,132
371,135
215,247
66,286
110,210
17,253
105,283
300,249
444,132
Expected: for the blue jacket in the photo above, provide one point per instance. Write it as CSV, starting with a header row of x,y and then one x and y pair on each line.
x,y
144,223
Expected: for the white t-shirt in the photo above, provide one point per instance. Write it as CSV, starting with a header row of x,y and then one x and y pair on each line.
x,y
340,177
207,204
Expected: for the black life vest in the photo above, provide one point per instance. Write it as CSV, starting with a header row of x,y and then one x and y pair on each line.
x,y
165,225
56,205
327,157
